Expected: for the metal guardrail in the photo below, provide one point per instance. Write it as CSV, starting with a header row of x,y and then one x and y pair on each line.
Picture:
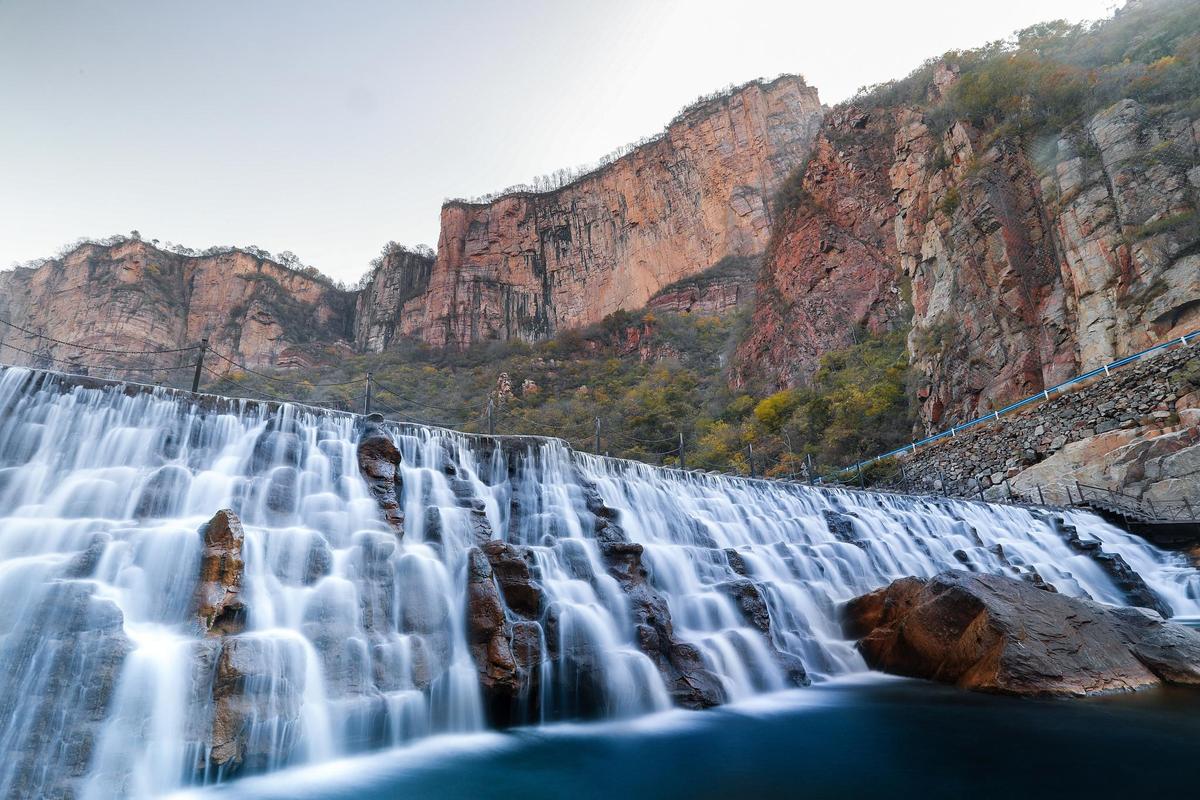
x,y
1105,370
1144,510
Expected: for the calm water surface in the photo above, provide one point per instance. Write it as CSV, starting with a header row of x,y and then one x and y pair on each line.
x,y
866,738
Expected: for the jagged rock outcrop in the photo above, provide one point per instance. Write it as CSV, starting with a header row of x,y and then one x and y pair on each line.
x,y
134,297
528,264
1007,636
219,605
830,270
1019,271
401,275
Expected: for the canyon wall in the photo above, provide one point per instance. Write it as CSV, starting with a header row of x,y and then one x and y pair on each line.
x,y
131,297
1018,271
528,264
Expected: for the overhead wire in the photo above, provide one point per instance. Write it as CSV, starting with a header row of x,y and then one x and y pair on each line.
x,y
93,348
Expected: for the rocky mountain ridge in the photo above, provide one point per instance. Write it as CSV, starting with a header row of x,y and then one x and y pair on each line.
x,y
1018,273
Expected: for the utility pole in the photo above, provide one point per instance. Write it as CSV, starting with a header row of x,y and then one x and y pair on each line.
x,y
491,417
597,436
199,365
367,398
750,455
682,459
811,470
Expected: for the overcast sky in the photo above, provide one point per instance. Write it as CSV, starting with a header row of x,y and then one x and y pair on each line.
x,y
328,128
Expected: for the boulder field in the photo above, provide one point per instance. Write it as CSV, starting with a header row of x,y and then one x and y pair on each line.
x,y
1002,635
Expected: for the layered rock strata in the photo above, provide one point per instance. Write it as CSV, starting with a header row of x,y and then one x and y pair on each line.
x,y
528,264
134,299
1019,271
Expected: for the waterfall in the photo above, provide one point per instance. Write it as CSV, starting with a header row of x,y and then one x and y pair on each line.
x,y
621,588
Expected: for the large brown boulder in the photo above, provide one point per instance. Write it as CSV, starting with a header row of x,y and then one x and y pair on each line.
x,y
219,605
998,634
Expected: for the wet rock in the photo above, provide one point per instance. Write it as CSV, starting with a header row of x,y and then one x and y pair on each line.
x,y
1004,635
219,605
319,561
1136,591
750,601
76,645
379,462
257,693
842,528
488,636
513,569
162,492
687,678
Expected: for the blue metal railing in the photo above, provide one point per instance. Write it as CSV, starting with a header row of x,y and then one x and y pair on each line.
x,y
1042,395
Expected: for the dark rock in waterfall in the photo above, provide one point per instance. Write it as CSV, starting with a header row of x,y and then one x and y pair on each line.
x,y
1004,635
83,564
737,561
842,528
687,678
276,448
750,601
1114,564
379,462
513,568
257,693
377,578
162,492
319,561
73,649
219,605
488,635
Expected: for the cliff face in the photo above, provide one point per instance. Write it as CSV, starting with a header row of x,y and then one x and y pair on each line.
x,y
1021,272
830,271
134,297
529,264
401,276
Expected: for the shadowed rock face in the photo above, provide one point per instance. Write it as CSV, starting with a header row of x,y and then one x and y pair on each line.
x,y
219,605
1007,636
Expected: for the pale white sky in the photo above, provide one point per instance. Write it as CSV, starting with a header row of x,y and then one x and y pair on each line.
x,y
328,128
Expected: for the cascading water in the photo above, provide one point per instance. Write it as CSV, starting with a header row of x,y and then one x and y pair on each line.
x,y
623,587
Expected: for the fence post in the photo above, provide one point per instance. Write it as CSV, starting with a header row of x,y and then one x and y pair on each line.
x,y
367,398
199,365
682,461
491,417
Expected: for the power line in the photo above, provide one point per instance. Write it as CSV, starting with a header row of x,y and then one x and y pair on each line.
x,y
263,375
411,400
69,363
92,348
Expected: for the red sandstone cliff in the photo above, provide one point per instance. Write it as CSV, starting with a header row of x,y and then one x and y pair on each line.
x,y
1020,273
132,297
528,264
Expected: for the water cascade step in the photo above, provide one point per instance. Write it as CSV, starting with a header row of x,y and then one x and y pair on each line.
x,y
198,588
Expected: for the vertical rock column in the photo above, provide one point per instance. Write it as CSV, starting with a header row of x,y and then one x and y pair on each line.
x,y
379,463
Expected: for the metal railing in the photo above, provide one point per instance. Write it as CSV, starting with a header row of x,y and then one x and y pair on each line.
x,y
1105,370
1138,509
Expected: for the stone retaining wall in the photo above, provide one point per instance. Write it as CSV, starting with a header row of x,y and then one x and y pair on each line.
x,y
1136,430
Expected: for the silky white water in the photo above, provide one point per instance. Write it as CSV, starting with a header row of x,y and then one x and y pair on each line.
x,y
356,641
